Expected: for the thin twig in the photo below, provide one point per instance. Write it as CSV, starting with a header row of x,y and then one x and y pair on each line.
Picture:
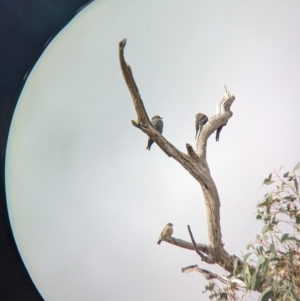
x,y
204,258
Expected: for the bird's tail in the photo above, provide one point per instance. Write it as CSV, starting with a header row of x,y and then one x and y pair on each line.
x,y
150,142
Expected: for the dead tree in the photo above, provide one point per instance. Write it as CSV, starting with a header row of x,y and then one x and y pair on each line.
x,y
195,163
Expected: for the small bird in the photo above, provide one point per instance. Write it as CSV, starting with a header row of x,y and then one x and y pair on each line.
x,y
158,124
201,119
166,232
219,129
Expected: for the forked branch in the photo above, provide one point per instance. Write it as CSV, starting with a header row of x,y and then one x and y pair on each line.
x,y
194,162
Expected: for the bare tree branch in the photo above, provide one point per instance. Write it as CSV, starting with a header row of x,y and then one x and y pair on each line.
x,y
194,161
132,87
238,282
186,245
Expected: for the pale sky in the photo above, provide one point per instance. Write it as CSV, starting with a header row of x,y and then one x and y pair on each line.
x,y
87,201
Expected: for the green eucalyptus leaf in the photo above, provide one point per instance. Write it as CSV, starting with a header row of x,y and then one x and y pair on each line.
x,y
268,182
283,210
291,198
265,296
296,184
259,250
245,258
260,261
235,266
297,166
264,269
249,245
290,257
253,281
247,276
284,237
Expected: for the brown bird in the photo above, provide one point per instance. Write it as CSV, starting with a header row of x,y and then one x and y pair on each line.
x,y
201,119
166,232
219,129
158,124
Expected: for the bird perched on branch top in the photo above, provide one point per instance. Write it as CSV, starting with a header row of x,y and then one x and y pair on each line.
x,y
219,129
166,232
158,124
219,111
201,119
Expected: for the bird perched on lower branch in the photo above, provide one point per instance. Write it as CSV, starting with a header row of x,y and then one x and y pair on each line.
x,y
201,119
166,232
158,124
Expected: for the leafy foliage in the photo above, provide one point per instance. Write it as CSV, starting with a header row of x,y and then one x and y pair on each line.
x,y
272,268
